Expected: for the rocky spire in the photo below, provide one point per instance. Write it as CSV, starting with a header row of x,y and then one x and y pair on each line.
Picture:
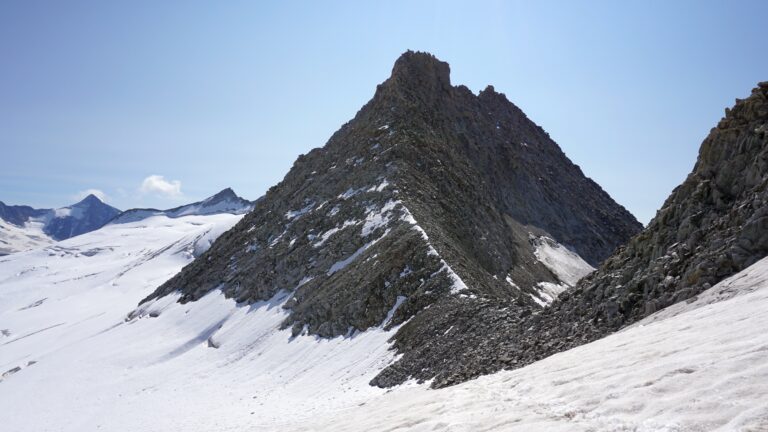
x,y
414,69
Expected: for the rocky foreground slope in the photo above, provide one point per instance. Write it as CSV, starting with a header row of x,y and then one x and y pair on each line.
x,y
696,366
430,205
713,225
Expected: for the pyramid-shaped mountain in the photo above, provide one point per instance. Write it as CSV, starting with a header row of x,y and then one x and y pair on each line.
x,y
430,205
89,214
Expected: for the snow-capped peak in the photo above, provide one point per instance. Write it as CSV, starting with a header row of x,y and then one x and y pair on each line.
x,y
89,200
225,201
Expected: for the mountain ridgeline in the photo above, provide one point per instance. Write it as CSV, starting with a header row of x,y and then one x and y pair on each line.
x,y
24,228
225,201
713,225
431,205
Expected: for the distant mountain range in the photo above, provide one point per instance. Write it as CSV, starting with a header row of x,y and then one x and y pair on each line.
x,y
225,201
24,227
65,222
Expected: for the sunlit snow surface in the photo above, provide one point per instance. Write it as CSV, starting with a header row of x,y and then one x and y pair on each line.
x,y
700,366
82,366
212,365
15,238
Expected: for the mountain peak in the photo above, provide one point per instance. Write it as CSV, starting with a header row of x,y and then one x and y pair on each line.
x,y
224,193
421,69
90,199
89,214
426,205
490,92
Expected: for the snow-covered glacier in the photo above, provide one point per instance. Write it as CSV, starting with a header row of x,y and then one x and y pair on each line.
x,y
78,354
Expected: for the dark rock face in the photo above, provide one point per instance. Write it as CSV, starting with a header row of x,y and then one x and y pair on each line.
x,y
713,225
88,215
420,209
225,201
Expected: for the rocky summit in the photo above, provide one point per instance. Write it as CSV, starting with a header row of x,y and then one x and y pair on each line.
x,y
431,209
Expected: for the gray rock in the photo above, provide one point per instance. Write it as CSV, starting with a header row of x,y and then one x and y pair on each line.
x,y
712,226
337,237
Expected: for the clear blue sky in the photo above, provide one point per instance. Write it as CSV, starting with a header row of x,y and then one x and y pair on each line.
x,y
101,95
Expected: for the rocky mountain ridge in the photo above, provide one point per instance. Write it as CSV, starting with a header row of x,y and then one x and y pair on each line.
x,y
430,204
713,225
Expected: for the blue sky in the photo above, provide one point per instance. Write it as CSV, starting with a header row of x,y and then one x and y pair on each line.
x,y
205,95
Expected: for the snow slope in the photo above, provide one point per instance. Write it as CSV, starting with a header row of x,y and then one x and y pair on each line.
x,y
567,265
701,366
76,355
15,238
71,360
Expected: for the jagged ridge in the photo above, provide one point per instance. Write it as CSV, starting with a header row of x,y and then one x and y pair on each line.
x,y
423,208
713,225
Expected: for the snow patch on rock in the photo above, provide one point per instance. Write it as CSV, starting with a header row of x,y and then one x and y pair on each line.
x,y
567,265
293,214
458,284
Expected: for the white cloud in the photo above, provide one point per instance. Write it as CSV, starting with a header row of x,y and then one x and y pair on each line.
x,y
158,185
98,193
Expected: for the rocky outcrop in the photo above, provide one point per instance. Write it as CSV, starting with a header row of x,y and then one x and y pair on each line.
x,y
424,211
713,225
